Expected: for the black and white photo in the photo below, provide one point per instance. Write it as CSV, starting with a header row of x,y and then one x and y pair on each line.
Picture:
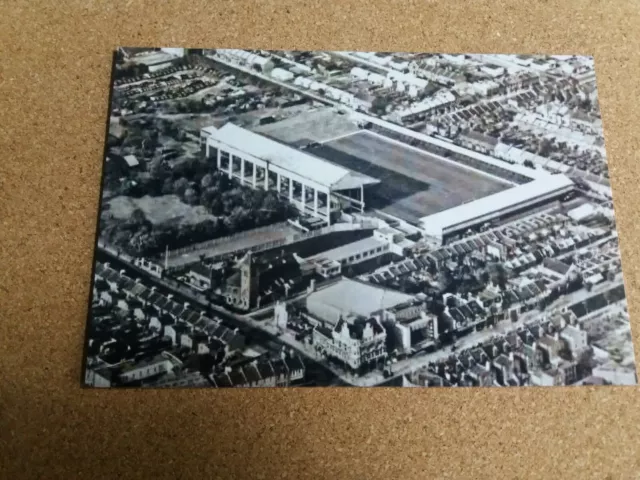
x,y
319,218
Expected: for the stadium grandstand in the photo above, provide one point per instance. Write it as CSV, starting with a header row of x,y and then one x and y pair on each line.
x,y
315,186
454,221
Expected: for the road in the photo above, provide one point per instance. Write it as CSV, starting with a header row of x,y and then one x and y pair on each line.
x,y
263,332
403,367
363,117
266,333
266,78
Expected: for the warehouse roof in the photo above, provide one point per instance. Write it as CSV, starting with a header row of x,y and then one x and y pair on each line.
x,y
351,297
296,161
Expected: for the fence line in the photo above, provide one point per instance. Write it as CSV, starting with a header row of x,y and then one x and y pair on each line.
x,y
289,239
217,241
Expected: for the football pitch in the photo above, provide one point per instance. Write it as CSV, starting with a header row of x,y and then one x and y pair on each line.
x,y
413,183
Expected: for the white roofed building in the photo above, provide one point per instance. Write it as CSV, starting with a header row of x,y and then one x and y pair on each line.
x,y
131,160
359,73
472,214
313,185
352,298
349,254
408,78
282,74
582,213
251,60
178,52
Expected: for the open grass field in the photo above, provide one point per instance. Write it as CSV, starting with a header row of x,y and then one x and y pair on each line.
x,y
317,125
413,183
167,209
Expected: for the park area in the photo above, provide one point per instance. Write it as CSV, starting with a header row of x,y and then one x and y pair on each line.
x,y
203,208
163,210
413,184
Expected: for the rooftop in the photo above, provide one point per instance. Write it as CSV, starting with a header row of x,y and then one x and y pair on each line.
x,y
556,265
356,326
152,58
302,163
351,297
201,269
440,221
348,250
159,358
131,160
244,55
480,137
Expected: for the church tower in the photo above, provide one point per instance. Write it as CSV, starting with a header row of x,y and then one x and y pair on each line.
x,y
248,282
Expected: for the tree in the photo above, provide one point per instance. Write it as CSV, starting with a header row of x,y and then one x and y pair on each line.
x,y
216,206
529,163
236,219
157,168
180,186
167,186
544,149
271,203
379,105
222,181
586,104
191,196
206,181
208,195
138,217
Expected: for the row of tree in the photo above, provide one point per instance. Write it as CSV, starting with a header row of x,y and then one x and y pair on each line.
x,y
236,208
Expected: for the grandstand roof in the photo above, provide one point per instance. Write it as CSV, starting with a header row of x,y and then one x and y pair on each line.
x,y
301,163
437,223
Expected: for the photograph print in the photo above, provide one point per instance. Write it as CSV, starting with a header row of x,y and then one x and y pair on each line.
x,y
318,218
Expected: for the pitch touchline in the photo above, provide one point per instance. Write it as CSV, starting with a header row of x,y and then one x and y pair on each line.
x,y
441,158
343,135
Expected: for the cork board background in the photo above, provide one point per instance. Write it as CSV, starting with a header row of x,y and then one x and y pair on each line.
x,y
54,77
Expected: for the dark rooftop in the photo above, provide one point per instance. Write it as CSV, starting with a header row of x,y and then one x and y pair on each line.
x,y
324,331
265,369
201,269
295,363
223,380
251,373
279,367
237,378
